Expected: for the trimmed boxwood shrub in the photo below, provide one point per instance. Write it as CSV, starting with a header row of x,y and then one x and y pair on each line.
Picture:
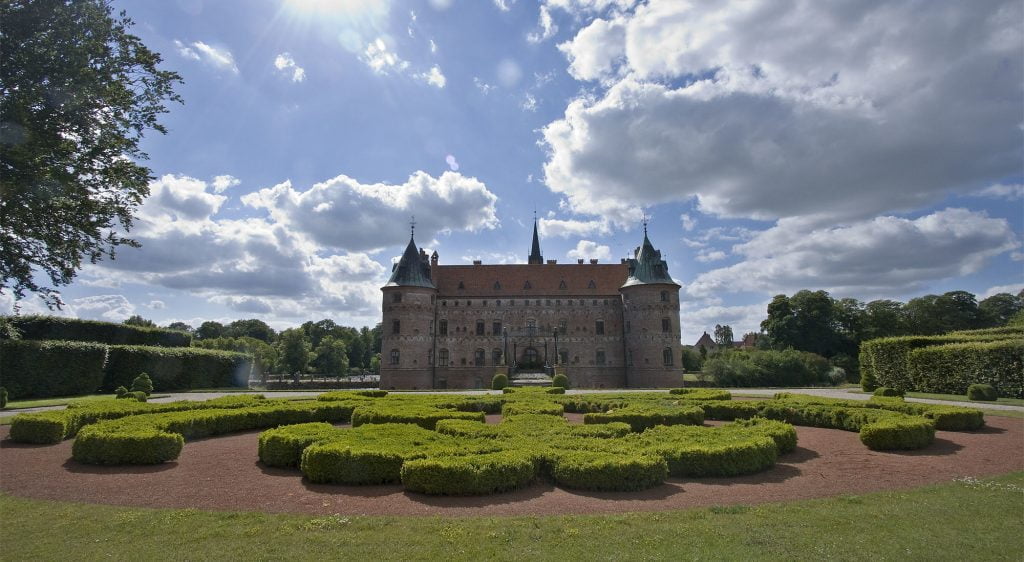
x,y
701,393
283,446
985,392
142,383
499,381
175,368
952,368
42,369
704,451
469,475
136,395
532,407
641,417
896,433
560,381
423,416
42,428
886,391
533,390
97,444
75,329
608,472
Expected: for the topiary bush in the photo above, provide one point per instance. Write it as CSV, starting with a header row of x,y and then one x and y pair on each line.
x,y
984,392
499,382
142,383
43,369
641,417
608,472
469,475
887,391
560,380
120,392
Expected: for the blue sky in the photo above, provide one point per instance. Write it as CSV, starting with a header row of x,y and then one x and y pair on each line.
x,y
874,151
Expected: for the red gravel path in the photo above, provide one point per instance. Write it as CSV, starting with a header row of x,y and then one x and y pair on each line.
x,y
223,473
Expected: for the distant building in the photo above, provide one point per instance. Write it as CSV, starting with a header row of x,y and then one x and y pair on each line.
x,y
706,342
749,340
604,325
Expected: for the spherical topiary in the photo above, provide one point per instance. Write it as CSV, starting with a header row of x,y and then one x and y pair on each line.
x,y
499,381
121,392
142,383
887,391
984,392
560,380
3,397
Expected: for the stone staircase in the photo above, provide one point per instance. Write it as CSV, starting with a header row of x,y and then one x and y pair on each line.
x,y
530,378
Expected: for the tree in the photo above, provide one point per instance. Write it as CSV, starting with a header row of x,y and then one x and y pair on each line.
x,y
998,309
331,357
136,320
723,335
77,93
294,350
251,328
884,318
180,326
209,330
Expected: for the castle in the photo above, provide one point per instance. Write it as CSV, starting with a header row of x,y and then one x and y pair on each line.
x,y
602,325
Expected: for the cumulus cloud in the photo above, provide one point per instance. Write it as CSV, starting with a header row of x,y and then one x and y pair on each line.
x,y
529,102
1003,191
767,111
434,77
286,64
705,256
381,59
547,26
224,182
699,316
587,249
344,213
113,308
217,57
571,228
1013,289
882,256
688,222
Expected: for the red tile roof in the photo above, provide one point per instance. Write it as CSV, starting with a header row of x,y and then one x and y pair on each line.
x,y
544,280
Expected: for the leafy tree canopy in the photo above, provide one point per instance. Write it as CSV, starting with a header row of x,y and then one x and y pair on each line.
x,y
77,92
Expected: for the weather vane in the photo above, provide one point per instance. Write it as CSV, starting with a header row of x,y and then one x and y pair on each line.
x,y
412,225
644,221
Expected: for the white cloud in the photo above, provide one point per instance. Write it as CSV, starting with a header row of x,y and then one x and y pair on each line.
x,y
156,305
113,308
484,87
381,59
433,46
285,63
224,182
697,317
767,111
1013,289
504,5
688,222
434,77
217,57
529,103
882,256
571,228
1003,191
547,26
587,249
453,164
705,256
343,213
494,257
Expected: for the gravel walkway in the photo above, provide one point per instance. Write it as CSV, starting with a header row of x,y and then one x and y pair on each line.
x,y
223,473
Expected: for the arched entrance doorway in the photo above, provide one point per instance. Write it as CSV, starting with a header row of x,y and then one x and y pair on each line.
x,y
530,359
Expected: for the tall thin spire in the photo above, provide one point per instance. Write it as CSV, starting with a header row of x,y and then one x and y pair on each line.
x,y
535,257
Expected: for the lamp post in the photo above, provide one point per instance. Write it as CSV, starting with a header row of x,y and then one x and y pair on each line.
x,y
555,335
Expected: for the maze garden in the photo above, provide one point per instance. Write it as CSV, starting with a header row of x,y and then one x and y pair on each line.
x,y
442,445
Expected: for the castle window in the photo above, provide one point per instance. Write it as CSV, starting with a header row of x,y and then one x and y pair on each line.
x,y
431,327
591,285
396,326
666,356
496,356
442,357
396,297
469,303
497,286
595,302
496,328
479,327
606,302
394,356
563,326
433,299
563,357
599,327
478,357
444,303
497,303
527,285
547,302
561,285
484,303
558,302
666,325
537,302
629,358
600,357
531,323
461,285
442,327
463,361
664,296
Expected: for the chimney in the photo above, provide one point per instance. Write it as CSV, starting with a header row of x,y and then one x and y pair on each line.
x,y
477,262
593,261
552,262
579,260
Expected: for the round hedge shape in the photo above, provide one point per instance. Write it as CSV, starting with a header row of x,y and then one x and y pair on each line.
x,y
894,434
469,475
608,471
340,463
532,407
982,392
95,445
887,391
641,417
704,451
283,446
701,393
499,381
560,380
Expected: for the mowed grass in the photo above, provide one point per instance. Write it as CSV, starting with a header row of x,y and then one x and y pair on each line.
x,y
63,401
959,398
964,520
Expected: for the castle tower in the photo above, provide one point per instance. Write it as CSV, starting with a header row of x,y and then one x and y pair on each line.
x,y
407,341
651,330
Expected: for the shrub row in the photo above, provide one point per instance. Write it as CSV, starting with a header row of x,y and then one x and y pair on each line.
x,y
641,417
176,368
946,418
423,416
946,364
41,369
701,393
533,390
532,407
74,329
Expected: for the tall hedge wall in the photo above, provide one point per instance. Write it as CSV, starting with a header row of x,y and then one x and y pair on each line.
x,y
74,329
41,369
902,363
176,368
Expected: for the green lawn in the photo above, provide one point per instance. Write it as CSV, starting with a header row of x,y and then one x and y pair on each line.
x,y
959,398
63,400
964,520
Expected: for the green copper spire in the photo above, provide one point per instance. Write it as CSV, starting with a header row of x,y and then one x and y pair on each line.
x,y
535,257
413,270
647,267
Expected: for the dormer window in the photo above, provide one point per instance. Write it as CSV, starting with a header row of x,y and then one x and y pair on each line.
x,y
527,285
591,285
461,285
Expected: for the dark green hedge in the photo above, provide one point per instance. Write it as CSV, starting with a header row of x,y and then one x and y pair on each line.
x,y
176,368
608,472
74,329
641,417
469,475
42,369
983,392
